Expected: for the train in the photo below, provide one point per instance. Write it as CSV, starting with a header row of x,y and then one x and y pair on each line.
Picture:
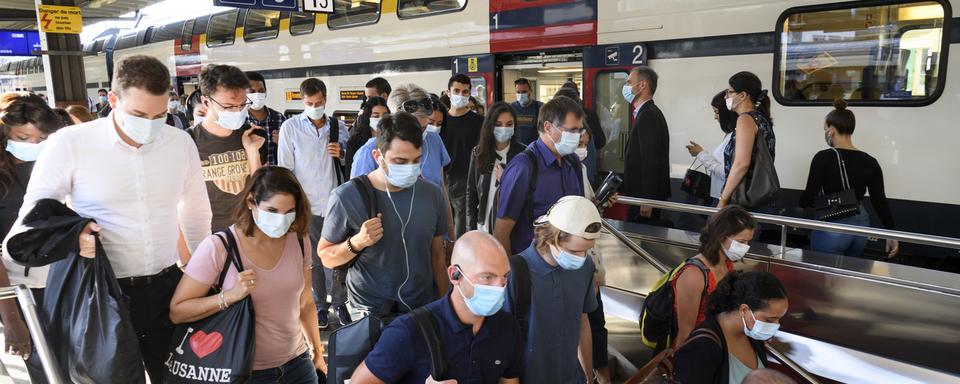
x,y
889,59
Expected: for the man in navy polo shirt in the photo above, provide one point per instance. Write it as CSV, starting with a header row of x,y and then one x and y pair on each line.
x,y
481,343
558,171
561,294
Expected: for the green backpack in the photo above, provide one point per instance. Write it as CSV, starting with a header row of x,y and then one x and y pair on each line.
x,y
658,322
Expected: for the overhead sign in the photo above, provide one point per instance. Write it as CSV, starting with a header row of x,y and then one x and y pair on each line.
x,y
60,19
615,55
351,94
19,43
319,6
293,95
273,5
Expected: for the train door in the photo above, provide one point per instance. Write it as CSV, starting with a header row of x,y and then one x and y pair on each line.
x,y
480,70
546,72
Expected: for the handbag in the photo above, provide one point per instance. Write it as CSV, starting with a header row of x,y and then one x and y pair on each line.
x,y
761,184
695,182
218,348
837,205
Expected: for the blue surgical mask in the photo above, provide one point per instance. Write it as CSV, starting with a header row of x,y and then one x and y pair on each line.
x,y
503,134
140,130
523,98
25,151
402,175
274,225
431,128
103,99
374,123
761,331
567,260
314,113
486,300
457,101
568,143
628,93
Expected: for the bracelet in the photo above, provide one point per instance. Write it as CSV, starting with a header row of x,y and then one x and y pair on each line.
x,y
351,247
223,302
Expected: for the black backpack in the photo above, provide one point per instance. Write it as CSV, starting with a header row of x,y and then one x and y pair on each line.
x,y
335,138
520,290
349,345
535,169
658,321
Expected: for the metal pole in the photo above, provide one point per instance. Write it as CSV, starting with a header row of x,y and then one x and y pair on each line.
x,y
783,241
29,308
47,68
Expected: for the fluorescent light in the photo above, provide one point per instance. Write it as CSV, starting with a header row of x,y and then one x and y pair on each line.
x,y
920,12
560,70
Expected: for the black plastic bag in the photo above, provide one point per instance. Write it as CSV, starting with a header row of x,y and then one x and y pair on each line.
x,y
88,322
218,348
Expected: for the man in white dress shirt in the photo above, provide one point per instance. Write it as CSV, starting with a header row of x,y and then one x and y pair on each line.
x,y
140,180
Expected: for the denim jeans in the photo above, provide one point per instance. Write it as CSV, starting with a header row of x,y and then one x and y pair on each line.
x,y
300,370
841,243
323,280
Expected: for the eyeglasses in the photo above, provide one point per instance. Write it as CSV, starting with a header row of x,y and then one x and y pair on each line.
x,y
424,106
571,130
234,108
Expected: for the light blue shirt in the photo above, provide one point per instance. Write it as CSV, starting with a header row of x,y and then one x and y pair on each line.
x,y
434,158
303,150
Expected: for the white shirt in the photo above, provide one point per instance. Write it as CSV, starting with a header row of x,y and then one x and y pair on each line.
x,y
141,197
303,150
713,163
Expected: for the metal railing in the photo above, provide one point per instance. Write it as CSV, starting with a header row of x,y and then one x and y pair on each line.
x,y
24,297
784,222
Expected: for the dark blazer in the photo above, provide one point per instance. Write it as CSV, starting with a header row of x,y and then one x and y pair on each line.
x,y
478,186
646,171
703,361
596,130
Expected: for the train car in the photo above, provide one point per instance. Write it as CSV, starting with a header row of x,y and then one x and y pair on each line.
x,y
888,58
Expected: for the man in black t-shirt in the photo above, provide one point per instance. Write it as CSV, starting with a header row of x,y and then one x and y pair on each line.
x,y
230,150
460,133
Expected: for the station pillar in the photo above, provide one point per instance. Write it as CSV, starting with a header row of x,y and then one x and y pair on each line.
x,y
63,63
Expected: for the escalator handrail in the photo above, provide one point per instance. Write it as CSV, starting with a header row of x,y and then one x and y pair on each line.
x,y
910,237
663,268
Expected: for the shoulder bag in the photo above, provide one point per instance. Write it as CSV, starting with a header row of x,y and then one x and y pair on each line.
x,y
837,205
760,185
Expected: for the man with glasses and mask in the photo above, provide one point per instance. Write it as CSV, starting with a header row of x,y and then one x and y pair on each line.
x,y
551,159
230,150
306,149
263,116
481,343
398,256
140,179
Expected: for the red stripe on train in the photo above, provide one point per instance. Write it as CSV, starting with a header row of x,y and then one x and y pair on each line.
x,y
544,37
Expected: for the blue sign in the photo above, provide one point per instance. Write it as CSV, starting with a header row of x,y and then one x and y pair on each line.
x,y
19,43
615,55
273,5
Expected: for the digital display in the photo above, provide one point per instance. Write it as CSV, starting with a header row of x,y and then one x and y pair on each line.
x,y
18,43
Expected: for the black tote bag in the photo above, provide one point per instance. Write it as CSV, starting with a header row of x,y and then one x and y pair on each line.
x,y
696,183
760,185
838,205
219,348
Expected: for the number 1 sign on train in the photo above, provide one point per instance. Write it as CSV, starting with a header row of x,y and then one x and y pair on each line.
x,y
273,5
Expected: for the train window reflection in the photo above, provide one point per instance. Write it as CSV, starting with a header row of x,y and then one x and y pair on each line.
x,y
416,8
221,29
878,54
186,35
261,24
614,115
302,23
351,13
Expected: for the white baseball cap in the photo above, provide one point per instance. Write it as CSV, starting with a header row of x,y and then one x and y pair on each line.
x,y
573,214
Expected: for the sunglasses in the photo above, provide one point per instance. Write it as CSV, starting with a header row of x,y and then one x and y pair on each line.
x,y
424,106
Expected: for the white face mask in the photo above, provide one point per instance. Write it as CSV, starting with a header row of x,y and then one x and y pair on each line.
x,y
432,128
581,153
457,101
523,98
274,225
25,151
762,330
197,119
259,100
737,250
374,123
503,134
315,113
138,129
232,120
173,104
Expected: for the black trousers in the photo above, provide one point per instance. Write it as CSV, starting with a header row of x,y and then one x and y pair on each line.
x,y
149,300
457,188
598,329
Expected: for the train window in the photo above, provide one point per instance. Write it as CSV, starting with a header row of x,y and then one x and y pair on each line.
x,y
186,35
261,24
886,54
302,23
126,41
614,118
417,8
221,29
351,13
165,32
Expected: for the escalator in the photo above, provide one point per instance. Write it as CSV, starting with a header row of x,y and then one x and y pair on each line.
x,y
851,320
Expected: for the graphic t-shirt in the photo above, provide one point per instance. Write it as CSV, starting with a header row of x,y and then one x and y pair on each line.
x,y
225,170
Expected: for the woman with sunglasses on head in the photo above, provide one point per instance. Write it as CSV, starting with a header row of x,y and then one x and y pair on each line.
x,y
25,122
365,129
270,229
743,313
496,148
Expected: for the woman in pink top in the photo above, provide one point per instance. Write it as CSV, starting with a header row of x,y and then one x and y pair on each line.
x,y
269,228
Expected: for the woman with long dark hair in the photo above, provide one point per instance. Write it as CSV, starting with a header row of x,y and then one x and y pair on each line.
x,y
744,311
25,123
713,161
747,98
497,146
374,108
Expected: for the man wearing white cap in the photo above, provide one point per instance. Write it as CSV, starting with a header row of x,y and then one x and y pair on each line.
x,y
553,319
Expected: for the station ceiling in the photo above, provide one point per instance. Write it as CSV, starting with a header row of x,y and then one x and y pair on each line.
x,y
21,14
